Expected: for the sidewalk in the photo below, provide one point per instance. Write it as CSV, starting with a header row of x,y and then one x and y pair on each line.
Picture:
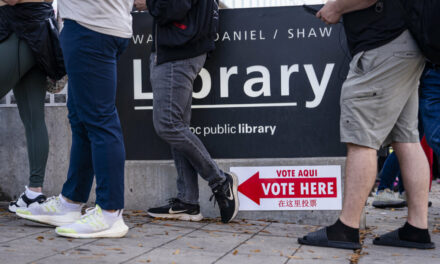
x,y
158,241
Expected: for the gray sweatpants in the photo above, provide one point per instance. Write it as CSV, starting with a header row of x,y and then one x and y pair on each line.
x,y
18,72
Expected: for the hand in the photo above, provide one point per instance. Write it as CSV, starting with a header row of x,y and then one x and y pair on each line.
x,y
11,2
140,5
330,13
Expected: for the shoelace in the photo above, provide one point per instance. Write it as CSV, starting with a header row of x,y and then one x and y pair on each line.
x,y
92,218
220,197
173,201
51,204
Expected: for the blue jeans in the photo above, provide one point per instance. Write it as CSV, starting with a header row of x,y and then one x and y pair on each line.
x,y
388,174
429,124
172,84
429,106
97,142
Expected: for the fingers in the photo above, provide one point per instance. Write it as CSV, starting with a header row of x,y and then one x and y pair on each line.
x,y
319,14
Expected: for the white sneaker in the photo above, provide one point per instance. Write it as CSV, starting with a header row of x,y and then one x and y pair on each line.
x,y
94,224
23,201
51,212
387,198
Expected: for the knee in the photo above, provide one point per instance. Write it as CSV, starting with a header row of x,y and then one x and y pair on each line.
x,y
168,131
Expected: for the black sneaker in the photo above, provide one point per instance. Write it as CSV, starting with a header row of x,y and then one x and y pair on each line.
x,y
176,209
23,202
226,196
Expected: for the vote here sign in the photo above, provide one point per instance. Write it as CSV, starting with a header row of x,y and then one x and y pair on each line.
x,y
289,188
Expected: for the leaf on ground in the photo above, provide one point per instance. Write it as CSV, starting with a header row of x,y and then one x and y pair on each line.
x,y
40,238
140,245
396,254
235,252
265,231
335,256
294,257
256,250
311,251
176,252
194,247
115,249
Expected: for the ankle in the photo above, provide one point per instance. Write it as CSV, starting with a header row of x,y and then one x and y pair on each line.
x,y
341,232
352,224
36,189
67,200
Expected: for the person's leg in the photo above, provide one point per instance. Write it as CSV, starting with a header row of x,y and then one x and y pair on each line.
x,y
415,174
15,71
80,174
11,68
92,68
385,196
187,177
389,172
30,94
360,171
79,180
430,107
172,87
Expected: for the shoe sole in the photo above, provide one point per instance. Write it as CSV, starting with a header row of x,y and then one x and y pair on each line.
x,y
50,220
118,230
235,194
12,209
183,217
378,204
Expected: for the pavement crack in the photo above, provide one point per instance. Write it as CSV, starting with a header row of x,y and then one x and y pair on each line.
x,y
296,251
356,256
244,241
165,243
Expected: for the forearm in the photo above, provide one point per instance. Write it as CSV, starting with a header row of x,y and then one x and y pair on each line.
x,y
347,6
10,2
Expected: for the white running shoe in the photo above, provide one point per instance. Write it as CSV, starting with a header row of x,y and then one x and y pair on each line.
x,y
23,201
51,212
94,224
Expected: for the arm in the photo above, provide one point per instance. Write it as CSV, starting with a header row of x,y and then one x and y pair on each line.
x,y
140,5
11,2
333,10
166,11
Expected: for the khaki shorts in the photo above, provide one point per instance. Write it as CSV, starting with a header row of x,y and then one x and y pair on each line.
x,y
379,99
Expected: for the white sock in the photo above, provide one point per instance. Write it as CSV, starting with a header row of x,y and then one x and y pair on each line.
x,y
31,194
112,217
69,205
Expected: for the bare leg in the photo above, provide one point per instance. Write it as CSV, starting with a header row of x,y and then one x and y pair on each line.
x,y
360,173
415,174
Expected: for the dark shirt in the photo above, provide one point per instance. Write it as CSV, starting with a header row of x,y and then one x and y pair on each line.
x,y
375,26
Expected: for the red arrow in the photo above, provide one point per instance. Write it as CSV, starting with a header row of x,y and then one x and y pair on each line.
x,y
301,188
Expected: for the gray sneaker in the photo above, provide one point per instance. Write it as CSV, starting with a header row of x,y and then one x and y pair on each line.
x,y
388,199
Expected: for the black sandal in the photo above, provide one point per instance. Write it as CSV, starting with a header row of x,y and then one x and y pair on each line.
x,y
392,239
319,239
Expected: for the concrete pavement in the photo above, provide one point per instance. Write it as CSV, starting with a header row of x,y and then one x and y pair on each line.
x,y
160,241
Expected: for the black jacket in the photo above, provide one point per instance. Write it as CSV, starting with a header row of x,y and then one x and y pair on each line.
x,y
35,23
183,28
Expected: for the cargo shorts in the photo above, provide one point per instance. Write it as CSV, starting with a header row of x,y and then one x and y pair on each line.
x,y
379,99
